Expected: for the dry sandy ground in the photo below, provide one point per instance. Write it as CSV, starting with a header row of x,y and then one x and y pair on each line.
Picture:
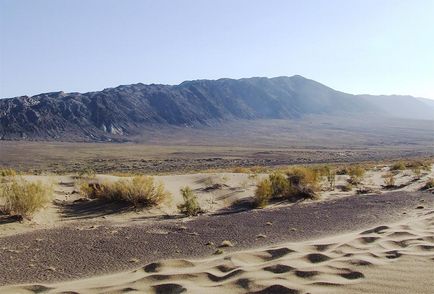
x,y
217,193
310,247
398,258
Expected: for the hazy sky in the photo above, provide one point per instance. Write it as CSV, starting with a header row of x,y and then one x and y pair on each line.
x,y
364,46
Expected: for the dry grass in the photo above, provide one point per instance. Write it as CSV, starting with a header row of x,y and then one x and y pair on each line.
x,y
389,180
263,193
7,172
138,191
297,183
356,173
400,165
191,206
24,198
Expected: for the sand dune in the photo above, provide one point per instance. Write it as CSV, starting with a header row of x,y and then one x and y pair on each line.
x,y
378,260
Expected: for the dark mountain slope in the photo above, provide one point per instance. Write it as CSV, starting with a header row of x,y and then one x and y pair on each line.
x,y
121,112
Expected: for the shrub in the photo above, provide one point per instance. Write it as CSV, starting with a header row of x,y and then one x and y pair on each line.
x,y
87,173
299,183
190,206
241,170
263,193
8,172
24,198
304,181
330,174
389,180
398,166
138,191
279,184
356,174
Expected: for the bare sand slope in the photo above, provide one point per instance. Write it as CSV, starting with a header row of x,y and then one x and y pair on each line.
x,y
384,259
76,252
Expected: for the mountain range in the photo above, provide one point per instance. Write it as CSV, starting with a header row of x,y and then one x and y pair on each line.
x,y
118,114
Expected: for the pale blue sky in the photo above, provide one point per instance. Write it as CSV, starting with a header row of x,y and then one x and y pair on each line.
x,y
356,46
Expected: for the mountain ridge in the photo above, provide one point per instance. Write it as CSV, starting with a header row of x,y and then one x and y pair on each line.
x,y
121,112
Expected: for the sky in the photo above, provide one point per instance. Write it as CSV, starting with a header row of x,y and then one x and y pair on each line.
x,y
355,46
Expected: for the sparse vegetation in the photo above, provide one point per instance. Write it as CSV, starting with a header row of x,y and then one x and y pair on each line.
x,y
8,172
191,206
138,191
263,193
241,170
330,174
400,165
23,198
297,183
356,174
87,173
389,180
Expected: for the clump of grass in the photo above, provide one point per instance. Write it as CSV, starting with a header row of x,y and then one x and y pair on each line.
x,y
241,170
400,165
191,206
356,174
389,180
263,193
8,172
138,191
24,198
330,174
296,183
87,173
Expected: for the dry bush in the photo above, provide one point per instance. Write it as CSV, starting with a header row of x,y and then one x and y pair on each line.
x,y
8,172
400,165
389,180
356,174
87,173
304,180
138,191
297,183
280,185
329,173
191,206
241,170
23,198
263,193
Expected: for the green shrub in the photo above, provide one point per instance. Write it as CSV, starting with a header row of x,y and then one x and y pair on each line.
x,y
138,191
23,198
190,206
263,193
